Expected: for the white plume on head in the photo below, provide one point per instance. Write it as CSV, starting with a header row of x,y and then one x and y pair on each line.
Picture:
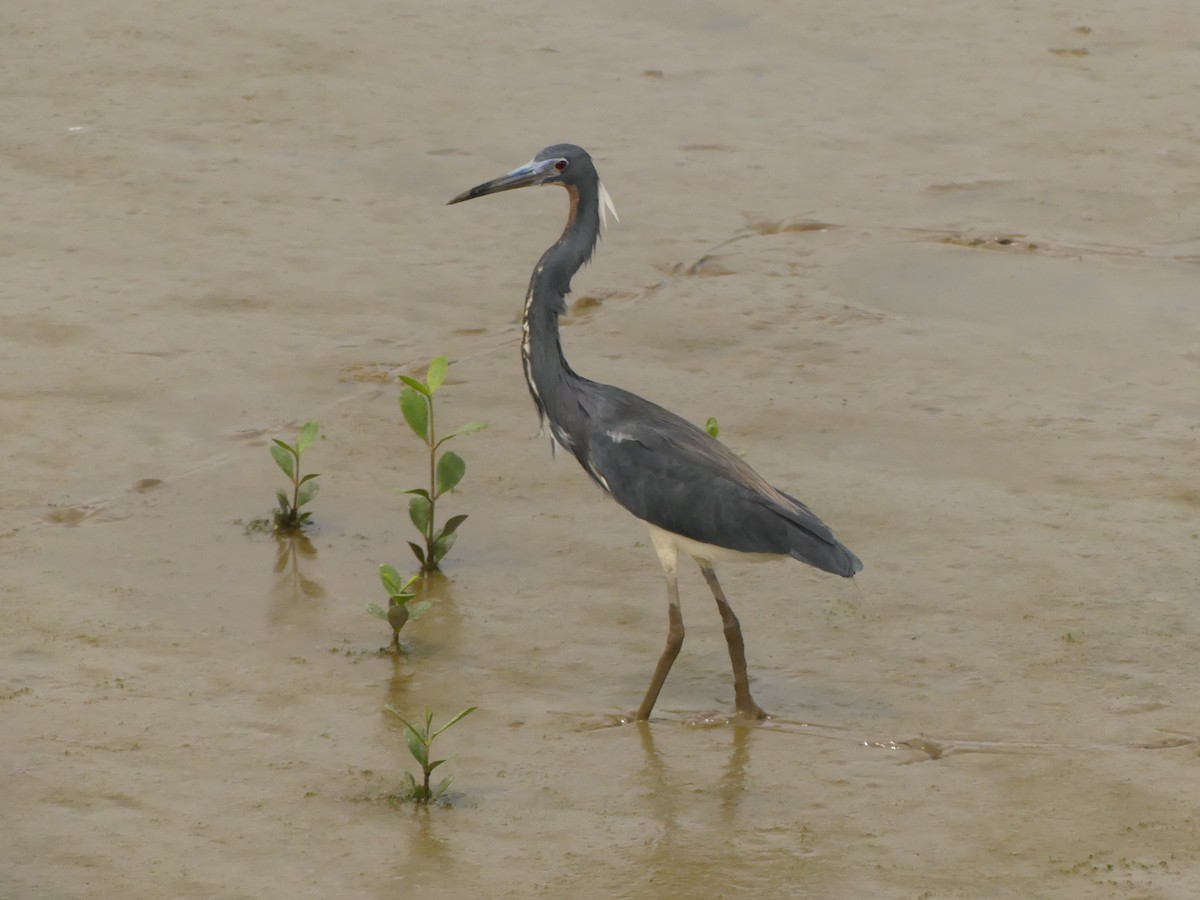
x,y
606,204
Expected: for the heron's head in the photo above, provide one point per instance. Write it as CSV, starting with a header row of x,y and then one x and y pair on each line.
x,y
562,164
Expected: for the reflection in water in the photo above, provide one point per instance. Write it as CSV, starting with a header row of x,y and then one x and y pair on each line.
x,y
657,789
428,861
433,636
733,779
731,788
683,857
295,599
438,632
396,692
433,850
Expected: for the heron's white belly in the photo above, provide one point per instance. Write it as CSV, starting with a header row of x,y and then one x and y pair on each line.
x,y
700,551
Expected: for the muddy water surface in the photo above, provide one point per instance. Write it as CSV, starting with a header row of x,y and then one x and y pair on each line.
x,y
934,270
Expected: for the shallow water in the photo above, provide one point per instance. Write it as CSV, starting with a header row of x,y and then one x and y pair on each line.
x,y
935,272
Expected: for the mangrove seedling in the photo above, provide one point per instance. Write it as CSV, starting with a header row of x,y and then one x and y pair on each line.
x,y
288,517
419,741
399,611
445,471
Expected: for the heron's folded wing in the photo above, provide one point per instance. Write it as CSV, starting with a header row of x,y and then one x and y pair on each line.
x,y
696,487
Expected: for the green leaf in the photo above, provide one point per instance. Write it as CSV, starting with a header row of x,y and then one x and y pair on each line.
x,y
416,385
712,427
409,785
284,503
416,746
462,715
408,725
390,578
433,765
308,434
420,492
436,374
441,788
308,490
393,711
415,409
418,609
284,455
470,428
397,615
377,611
451,525
442,545
418,552
462,429
450,470
310,477
419,510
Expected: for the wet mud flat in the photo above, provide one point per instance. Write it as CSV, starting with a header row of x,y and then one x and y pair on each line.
x,y
960,324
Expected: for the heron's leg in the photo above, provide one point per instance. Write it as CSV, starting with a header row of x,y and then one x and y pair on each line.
x,y
668,556
737,648
674,642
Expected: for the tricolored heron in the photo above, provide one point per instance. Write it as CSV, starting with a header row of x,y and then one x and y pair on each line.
x,y
697,496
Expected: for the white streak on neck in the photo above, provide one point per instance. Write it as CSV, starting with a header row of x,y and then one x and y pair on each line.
x,y
606,203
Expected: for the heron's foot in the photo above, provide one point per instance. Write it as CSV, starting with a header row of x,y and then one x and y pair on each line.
x,y
750,712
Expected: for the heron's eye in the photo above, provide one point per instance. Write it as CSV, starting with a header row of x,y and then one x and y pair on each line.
x,y
560,165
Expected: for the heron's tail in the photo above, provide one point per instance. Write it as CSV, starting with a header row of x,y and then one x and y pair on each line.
x,y
828,556
812,541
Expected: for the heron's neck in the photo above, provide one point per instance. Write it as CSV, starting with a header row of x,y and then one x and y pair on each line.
x,y
546,369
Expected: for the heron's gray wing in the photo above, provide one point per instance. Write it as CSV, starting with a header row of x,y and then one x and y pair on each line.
x,y
672,474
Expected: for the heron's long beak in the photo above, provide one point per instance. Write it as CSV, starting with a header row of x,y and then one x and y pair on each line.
x,y
529,174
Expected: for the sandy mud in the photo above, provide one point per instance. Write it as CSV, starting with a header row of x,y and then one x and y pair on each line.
x,y
935,267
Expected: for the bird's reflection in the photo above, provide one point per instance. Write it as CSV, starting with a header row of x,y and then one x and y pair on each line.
x,y
682,854
732,785
658,790
733,779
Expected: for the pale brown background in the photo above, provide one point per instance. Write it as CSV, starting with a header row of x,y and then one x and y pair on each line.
x,y
221,219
